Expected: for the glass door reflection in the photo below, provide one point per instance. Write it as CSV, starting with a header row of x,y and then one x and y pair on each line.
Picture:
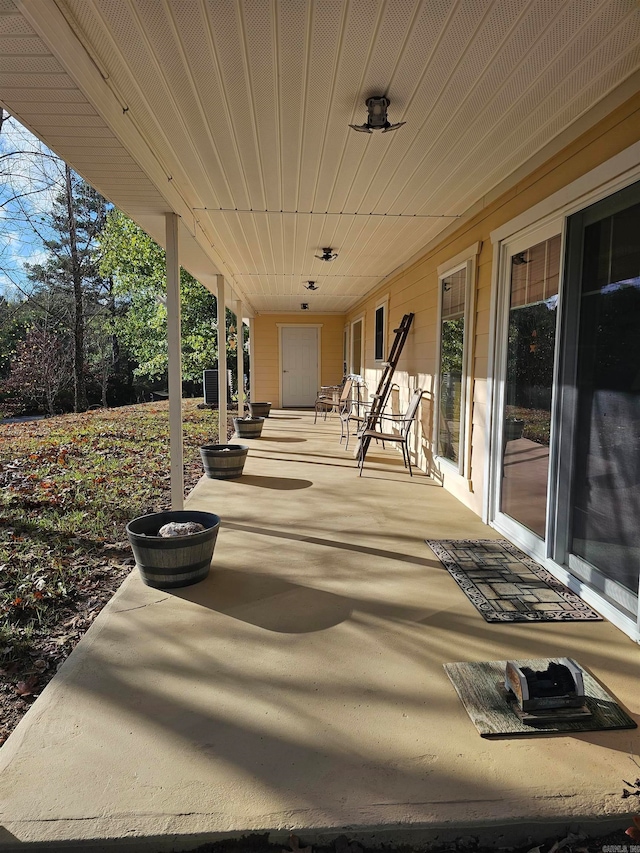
x,y
531,343
605,531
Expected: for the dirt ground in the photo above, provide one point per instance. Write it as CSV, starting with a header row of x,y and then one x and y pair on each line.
x,y
615,842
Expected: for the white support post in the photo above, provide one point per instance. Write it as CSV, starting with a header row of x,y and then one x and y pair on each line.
x,y
251,374
222,363
240,358
175,362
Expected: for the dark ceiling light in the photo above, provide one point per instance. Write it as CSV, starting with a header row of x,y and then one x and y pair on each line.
x,y
377,117
304,306
310,285
327,254
519,259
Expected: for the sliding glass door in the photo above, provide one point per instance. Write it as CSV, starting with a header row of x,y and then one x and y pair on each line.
x,y
565,461
599,482
531,272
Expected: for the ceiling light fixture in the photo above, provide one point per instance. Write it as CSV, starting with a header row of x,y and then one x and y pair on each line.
x,y
304,306
310,285
377,117
327,254
519,259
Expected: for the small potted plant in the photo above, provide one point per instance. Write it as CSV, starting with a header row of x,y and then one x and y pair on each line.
x,y
223,461
173,548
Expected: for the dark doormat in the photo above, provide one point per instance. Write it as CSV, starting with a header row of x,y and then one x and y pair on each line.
x,y
481,689
507,586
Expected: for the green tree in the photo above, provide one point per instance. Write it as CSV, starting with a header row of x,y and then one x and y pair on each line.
x,y
70,274
137,266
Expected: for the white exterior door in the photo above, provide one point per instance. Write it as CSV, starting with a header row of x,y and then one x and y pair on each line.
x,y
299,365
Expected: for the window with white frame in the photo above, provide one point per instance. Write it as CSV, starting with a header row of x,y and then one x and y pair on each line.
x,y
452,428
380,332
357,339
453,297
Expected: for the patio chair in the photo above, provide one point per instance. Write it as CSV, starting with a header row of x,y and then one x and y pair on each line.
x,y
334,401
327,396
357,412
400,437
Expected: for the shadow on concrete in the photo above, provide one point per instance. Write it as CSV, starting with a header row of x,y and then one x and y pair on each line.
x,y
282,439
332,543
6,836
269,602
306,461
388,466
284,484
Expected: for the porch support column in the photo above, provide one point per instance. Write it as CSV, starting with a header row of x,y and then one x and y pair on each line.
x,y
175,362
222,363
240,358
251,371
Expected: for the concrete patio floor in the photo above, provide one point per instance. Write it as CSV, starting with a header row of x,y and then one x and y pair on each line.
x,y
301,685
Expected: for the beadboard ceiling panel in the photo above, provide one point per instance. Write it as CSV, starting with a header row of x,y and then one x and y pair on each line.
x,y
236,113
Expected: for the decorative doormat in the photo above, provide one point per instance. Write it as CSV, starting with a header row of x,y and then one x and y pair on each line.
x,y
481,689
507,586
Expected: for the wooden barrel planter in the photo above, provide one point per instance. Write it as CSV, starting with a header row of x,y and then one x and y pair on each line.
x,y
166,563
260,410
513,428
223,461
248,427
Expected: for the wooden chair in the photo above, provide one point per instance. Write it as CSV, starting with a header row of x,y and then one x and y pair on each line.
x,y
400,437
334,401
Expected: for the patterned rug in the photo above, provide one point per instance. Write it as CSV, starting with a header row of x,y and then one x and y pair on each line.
x,y
507,586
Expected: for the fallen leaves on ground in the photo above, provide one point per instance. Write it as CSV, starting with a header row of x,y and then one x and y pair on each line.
x,y
294,845
68,487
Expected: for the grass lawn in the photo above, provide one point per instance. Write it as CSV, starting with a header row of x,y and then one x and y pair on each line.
x,y
537,423
69,485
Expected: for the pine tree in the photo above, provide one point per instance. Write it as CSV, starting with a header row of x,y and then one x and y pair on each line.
x,y
70,275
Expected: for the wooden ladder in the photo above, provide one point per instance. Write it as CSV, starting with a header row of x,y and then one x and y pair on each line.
x,y
379,399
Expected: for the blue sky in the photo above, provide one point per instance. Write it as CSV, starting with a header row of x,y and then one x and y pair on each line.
x,y
29,182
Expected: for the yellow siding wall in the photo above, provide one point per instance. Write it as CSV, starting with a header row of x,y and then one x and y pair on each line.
x,y
416,289
264,346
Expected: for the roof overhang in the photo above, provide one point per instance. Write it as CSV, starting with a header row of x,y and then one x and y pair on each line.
x,y
236,117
